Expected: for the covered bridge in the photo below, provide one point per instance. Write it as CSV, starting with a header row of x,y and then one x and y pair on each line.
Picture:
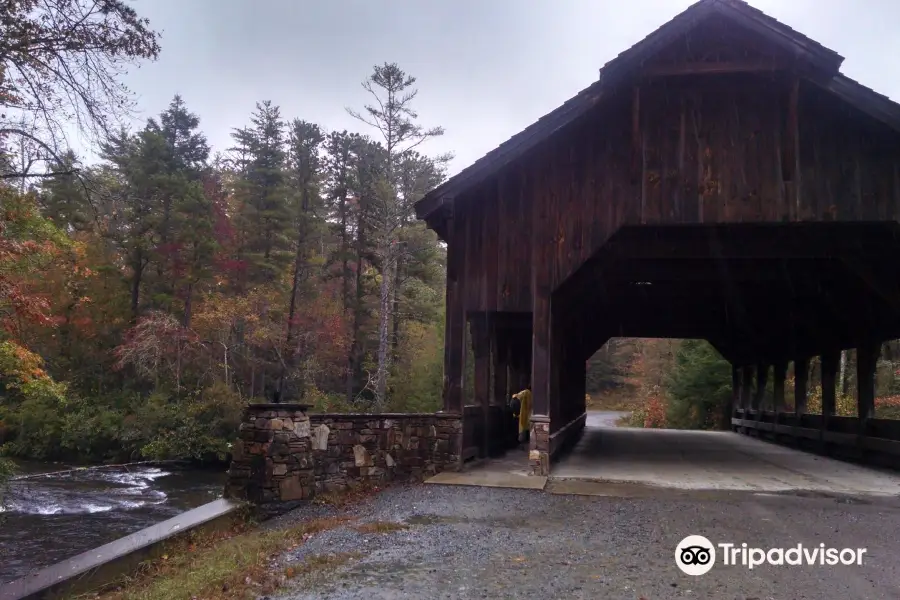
x,y
720,180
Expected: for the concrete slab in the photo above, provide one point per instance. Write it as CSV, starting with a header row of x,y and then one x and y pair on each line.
x,y
705,460
507,471
489,479
105,564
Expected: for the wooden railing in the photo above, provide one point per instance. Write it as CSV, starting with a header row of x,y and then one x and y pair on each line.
x,y
881,436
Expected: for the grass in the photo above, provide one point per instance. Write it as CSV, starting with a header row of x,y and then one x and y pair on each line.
x,y
237,563
223,565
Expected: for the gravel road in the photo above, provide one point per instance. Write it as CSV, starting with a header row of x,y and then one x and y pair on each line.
x,y
470,542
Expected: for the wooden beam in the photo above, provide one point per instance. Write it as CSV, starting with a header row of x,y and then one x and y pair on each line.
x,y
747,387
830,360
866,361
762,376
779,373
481,349
735,388
801,375
454,324
714,68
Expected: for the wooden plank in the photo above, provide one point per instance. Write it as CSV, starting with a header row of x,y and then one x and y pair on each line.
x,y
790,152
506,202
636,133
491,249
455,322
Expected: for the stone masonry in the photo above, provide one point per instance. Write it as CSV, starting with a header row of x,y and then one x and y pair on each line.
x,y
271,462
352,449
539,447
284,455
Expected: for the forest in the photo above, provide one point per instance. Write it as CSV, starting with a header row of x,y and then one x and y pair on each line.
x,y
147,296
682,384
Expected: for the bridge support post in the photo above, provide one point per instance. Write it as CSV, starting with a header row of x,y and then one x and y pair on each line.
x,y
500,368
779,375
746,393
830,360
736,393
866,362
482,354
762,376
801,384
454,327
546,358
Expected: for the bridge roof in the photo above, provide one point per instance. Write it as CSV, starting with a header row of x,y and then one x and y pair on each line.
x,y
825,61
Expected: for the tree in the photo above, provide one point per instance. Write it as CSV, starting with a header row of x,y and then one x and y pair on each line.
x,y
394,117
699,387
59,62
304,167
264,220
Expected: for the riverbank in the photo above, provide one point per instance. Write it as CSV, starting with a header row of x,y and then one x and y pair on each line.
x,y
52,515
443,542
243,560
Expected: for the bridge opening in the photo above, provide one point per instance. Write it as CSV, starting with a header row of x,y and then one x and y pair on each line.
x,y
783,303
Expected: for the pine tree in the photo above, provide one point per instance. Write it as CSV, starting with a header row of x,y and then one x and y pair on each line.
x,y
304,166
393,116
264,218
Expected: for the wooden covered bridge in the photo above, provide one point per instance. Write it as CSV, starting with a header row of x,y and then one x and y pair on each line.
x,y
720,180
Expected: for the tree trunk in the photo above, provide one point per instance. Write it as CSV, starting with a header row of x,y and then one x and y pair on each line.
x,y
842,377
354,360
395,309
138,267
188,306
384,347
288,359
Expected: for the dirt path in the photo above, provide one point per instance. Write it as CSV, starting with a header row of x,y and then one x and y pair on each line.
x,y
465,542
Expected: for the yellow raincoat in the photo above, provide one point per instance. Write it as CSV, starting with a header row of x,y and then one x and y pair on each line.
x,y
524,397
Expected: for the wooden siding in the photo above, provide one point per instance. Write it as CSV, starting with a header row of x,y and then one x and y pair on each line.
x,y
710,149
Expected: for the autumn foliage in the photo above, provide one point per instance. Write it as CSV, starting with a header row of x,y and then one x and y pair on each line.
x,y
144,303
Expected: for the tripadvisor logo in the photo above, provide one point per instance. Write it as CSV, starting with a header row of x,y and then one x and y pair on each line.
x,y
696,555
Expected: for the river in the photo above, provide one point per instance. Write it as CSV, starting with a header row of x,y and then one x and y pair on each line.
x,y
50,517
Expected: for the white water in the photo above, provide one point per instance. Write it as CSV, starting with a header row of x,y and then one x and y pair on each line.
x,y
86,492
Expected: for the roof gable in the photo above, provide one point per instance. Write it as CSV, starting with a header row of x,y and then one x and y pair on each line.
x,y
819,62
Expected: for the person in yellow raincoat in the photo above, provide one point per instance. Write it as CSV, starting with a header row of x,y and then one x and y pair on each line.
x,y
522,411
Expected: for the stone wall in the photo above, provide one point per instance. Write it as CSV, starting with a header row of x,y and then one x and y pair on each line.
x,y
284,455
271,461
352,449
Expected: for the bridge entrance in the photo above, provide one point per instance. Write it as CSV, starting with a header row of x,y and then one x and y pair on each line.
x,y
721,180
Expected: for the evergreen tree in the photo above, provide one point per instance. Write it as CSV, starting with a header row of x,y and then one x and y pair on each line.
x,y
699,387
394,117
264,218
304,166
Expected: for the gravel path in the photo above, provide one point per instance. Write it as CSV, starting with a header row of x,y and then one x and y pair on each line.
x,y
469,542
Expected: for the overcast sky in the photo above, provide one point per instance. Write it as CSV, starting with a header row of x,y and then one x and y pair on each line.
x,y
486,69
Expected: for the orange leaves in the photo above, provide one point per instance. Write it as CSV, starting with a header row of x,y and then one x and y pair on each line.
x,y
20,366
655,415
30,246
